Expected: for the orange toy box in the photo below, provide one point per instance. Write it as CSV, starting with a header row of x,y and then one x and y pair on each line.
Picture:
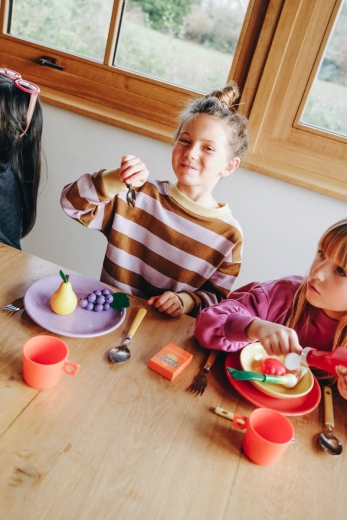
x,y
170,361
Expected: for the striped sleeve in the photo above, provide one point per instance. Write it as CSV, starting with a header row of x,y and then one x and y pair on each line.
x,y
219,286
86,201
165,243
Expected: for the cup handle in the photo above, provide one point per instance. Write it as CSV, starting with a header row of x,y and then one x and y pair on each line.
x,y
70,368
240,421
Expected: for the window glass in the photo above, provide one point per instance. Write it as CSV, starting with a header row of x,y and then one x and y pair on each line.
x,y
326,106
189,43
77,26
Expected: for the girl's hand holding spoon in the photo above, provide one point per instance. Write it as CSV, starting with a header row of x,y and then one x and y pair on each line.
x,y
133,171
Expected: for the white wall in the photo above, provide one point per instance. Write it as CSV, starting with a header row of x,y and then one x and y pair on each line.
x,y
281,222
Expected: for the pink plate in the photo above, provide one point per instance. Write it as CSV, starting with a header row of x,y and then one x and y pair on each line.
x,y
80,323
295,406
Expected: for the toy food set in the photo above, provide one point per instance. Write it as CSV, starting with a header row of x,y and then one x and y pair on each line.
x,y
269,374
64,300
98,301
325,360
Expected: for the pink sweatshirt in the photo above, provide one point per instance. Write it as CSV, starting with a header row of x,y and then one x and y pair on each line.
x,y
223,326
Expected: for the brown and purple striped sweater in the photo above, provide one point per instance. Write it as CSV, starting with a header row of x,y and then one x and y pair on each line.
x,y
166,243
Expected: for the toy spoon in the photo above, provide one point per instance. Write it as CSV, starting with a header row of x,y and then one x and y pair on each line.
x,y
122,353
327,439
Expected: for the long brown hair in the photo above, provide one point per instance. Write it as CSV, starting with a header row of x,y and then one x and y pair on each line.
x,y
22,154
333,241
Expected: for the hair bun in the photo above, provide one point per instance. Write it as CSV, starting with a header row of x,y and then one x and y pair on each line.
x,y
228,95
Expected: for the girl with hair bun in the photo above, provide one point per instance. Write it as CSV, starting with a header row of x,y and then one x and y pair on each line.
x,y
288,314
176,246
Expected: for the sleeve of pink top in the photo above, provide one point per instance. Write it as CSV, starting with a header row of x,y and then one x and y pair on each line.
x,y
223,326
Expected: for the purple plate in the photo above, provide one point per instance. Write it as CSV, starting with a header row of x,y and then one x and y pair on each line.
x,y
80,323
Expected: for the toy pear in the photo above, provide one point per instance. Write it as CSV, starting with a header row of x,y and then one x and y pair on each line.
x,y
64,300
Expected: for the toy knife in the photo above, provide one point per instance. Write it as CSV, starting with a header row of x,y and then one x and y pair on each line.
x,y
288,380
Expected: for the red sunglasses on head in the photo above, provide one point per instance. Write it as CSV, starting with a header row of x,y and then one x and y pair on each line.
x,y
26,86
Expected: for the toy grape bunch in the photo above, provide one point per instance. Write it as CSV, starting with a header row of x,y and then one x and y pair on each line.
x,y
103,301
64,300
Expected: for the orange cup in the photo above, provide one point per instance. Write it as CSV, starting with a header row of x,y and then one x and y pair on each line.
x,y
268,434
44,361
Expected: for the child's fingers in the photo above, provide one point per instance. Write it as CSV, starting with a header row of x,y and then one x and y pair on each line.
x,y
133,171
176,312
281,343
126,158
168,302
293,344
129,161
341,371
342,385
158,301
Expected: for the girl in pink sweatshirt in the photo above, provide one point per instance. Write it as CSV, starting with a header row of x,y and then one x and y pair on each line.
x,y
288,314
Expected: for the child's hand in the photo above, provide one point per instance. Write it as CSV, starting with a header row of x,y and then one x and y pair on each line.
x,y
342,380
133,171
276,339
167,302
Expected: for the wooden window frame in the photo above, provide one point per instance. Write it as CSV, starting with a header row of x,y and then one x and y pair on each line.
x,y
278,53
282,147
113,95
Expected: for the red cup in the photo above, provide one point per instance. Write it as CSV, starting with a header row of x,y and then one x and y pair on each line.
x,y
44,361
268,434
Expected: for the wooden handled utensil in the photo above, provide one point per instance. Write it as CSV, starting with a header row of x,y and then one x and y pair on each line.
x,y
199,383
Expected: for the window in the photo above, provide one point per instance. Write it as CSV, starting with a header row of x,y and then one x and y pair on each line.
x,y
285,146
135,63
104,48
326,105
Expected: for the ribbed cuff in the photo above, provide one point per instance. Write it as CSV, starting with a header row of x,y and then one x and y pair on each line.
x,y
187,301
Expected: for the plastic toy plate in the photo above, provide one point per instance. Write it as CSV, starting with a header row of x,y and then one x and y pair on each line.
x,y
251,358
80,323
295,406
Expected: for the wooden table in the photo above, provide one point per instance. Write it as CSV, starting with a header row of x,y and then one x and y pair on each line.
x,y
122,442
